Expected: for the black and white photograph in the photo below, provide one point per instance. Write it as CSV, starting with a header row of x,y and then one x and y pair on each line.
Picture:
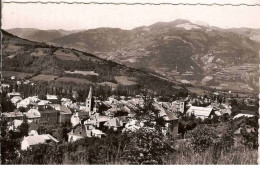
x,y
113,83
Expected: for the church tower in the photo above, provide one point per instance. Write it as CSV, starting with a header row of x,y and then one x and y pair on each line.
x,y
89,99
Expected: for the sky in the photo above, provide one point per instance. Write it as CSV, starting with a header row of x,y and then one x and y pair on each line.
x,y
85,16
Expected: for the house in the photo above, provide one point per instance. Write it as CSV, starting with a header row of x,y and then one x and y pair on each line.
x,y
11,116
66,101
82,131
77,132
16,99
52,98
43,102
26,82
34,115
12,94
43,115
200,112
225,111
49,116
172,124
29,141
114,123
248,115
34,99
83,114
24,103
64,115
97,133
15,124
29,101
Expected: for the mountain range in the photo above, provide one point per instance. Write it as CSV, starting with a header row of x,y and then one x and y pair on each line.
x,y
180,50
40,35
60,66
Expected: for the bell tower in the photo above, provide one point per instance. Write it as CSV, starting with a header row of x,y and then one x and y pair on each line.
x,y
89,103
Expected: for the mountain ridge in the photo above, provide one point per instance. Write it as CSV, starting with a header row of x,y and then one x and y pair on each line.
x,y
57,64
179,50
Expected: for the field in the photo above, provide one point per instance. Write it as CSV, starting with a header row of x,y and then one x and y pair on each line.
x,y
39,52
13,48
43,77
113,85
19,75
73,80
235,157
82,72
63,55
124,80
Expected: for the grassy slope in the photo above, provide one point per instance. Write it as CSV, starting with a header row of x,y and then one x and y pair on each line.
x,y
55,60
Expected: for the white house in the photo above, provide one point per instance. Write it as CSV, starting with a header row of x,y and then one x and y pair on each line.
x,y
43,102
26,82
12,94
16,99
52,98
37,139
97,133
200,112
243,115
29,100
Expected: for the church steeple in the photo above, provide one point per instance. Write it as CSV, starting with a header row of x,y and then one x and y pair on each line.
x,y
90,93
89,99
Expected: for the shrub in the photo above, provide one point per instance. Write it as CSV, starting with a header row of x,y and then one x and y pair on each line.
x,y
147,147
202,137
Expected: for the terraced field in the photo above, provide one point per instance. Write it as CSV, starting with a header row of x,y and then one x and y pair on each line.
x,y
74,80
43,77
18,75
125,80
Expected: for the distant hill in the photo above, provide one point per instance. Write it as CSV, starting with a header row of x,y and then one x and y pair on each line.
x,y
57,64
40,35
178,50
253,34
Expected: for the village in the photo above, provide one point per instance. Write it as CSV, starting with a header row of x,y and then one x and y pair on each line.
x,y
94,117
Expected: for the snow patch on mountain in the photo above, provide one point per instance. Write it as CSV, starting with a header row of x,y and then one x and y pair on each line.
x,y
188,26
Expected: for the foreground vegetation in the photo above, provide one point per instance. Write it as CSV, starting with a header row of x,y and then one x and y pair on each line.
x,y
202,145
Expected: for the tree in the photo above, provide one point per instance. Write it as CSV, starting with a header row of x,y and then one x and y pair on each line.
x,y
24,127
22,109
42,96
147,147
215,119
202,137
42,154
7,105
120,113
9,146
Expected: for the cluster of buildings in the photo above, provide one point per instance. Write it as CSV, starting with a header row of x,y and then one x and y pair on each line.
x,y
88,120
